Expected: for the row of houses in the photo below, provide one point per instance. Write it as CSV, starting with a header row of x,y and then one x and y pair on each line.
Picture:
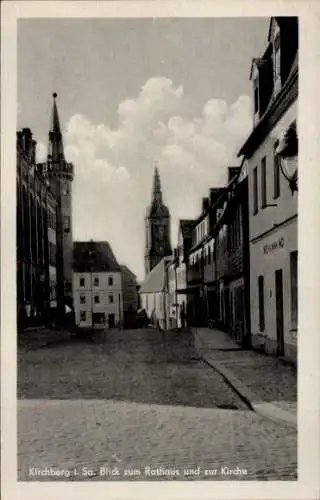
x,y
235,265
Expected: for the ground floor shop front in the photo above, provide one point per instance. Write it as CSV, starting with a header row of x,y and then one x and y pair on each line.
x,y
274,290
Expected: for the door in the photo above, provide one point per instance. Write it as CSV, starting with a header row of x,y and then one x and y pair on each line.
x,y
279,312
111,321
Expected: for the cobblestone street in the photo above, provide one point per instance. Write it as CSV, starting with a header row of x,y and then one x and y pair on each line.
x,y
139,399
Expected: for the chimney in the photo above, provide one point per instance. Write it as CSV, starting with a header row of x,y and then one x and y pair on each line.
x,y
232,172
214,195
205,205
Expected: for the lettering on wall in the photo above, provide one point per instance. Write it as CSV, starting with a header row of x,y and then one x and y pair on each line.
x,y
274,245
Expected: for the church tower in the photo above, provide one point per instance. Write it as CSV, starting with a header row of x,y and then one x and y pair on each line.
x,y
60,175
157,224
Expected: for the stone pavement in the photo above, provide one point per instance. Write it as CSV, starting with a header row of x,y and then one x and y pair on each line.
x,y
269,385
88,439
137,400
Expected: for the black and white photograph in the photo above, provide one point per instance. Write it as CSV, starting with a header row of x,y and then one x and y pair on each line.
x,y
156,249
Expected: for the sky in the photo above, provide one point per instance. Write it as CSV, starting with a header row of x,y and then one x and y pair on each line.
x,y
132,92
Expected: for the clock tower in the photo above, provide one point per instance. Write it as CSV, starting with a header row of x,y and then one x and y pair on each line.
x,y
60,175
157,224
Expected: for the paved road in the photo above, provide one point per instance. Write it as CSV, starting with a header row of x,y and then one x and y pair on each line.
x,y
141,402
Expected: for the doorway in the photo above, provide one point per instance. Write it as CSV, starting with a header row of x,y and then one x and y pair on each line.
x,y
111,321
279,312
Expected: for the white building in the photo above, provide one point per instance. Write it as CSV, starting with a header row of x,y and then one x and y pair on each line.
x,y
97,286
272,205
154,294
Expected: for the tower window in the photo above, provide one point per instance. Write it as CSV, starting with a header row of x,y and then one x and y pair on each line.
x,y
66,224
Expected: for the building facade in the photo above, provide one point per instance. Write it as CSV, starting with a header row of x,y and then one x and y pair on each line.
x,y
129,296
97,286
157,227
231,235
154,294
272,205
37,207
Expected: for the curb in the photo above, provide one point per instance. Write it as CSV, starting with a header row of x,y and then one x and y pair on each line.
x,y
267,410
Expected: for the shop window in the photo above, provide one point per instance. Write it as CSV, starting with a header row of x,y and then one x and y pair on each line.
x,y
261,303
263,182
255,190
294,288
276,173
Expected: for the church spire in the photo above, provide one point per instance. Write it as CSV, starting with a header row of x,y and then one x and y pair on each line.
x,y
55,150
157,193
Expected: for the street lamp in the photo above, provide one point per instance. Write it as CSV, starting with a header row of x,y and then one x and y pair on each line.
x,y
287,153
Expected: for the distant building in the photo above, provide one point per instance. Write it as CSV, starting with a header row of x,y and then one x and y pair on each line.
x,y
97,285
129,296
157,226
154,294
37,213
272,205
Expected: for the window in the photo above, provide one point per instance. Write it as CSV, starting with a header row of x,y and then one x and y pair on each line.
x,y
82,299
81,281
256,96
96,281
110,299
66,224
255,190
263,182
82,315
294,288
277,67
96,299
276,173
261,303
110,281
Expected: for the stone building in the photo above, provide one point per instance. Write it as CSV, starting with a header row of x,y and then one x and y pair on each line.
x,y
60,174
37,206
157,226
273,192
97,285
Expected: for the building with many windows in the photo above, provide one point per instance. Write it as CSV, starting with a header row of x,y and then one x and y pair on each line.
x,y
273,193
97,285
37,208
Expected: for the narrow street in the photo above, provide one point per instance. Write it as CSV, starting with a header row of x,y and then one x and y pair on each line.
x,y
140,404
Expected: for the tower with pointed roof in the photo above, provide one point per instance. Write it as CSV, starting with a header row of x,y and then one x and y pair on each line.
x,y
157,224
60,175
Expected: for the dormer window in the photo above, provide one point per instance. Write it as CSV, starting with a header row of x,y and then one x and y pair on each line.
x,y
256,95
276,62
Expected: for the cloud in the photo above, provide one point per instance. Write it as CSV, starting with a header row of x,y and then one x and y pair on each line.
x,y
114,166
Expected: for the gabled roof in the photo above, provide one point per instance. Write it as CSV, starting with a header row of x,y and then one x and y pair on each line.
x,y
93,256
156,279
126,270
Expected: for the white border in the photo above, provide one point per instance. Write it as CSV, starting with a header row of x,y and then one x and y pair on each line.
x,y
307,486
